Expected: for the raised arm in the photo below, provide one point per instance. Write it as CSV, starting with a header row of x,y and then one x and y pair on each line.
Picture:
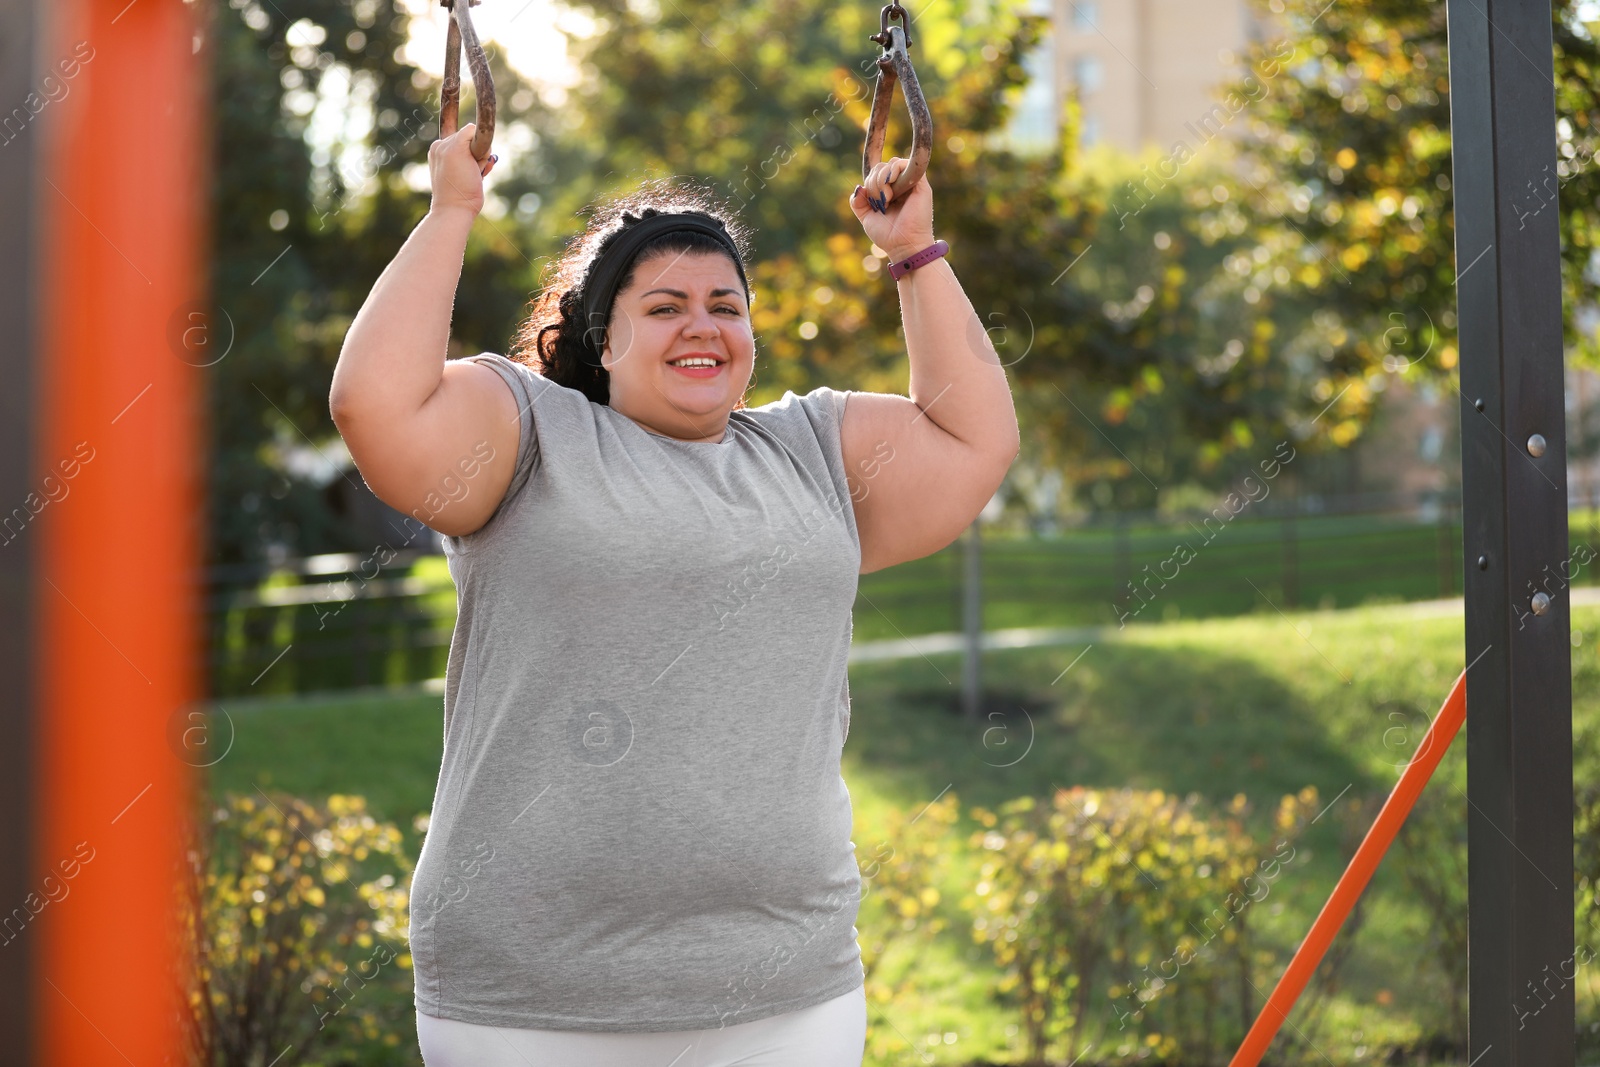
x,y
423,430
922,467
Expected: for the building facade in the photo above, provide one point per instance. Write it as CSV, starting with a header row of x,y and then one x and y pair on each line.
x,y
1144,71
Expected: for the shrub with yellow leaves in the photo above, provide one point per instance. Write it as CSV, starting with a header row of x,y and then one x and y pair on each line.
x,y
1120,917
295,919
900,875
905,859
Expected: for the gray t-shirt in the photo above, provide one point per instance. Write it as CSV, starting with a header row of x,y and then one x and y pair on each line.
x,y
640,822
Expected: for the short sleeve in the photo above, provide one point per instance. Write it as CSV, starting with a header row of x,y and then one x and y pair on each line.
x,y
527,385
825,406
824,414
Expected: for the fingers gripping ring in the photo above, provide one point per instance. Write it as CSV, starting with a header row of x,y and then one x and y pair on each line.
x,y
461,34
894,66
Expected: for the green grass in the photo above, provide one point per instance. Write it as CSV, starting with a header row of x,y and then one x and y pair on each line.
x,y
1261,704
1081,577
386,748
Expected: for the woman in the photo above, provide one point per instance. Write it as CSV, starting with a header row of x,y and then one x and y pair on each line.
x,y
640,842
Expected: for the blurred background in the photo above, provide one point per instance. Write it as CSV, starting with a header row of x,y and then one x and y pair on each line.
x,y
1197,632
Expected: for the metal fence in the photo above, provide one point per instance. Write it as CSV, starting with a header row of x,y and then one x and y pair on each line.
x,y
342,621
329,622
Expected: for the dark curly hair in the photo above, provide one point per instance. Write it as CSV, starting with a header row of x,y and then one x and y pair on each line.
x,y
551,338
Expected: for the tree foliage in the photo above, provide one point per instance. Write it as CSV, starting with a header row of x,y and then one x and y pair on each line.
x,y
1351,162
1149,350
1121,344
299,233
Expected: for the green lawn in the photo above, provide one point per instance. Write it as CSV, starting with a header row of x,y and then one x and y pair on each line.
x,y
1261,704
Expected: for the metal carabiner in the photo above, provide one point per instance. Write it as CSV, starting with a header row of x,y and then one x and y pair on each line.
x,y
895,66
462,33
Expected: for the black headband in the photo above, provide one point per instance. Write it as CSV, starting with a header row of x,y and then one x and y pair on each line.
x,y
605,273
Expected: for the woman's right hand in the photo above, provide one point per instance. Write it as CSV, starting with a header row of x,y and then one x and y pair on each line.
x,y
435,439
457,177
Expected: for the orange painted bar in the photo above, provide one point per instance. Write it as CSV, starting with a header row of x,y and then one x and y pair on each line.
x,y
122,192
1356,876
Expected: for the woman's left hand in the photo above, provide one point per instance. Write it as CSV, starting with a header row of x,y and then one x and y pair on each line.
x,y
906,226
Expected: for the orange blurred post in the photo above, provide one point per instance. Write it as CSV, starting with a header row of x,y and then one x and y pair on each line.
x,y
1362,865
122,190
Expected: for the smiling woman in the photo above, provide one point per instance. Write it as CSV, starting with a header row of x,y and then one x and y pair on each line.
x,y
646,696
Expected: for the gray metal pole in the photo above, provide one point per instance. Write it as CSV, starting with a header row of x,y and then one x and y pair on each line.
x,y
1514,519
20,26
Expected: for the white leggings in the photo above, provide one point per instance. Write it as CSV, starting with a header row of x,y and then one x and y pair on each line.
x,y
830,1034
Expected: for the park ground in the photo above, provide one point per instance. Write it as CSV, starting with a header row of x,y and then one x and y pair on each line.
x,y
1263,704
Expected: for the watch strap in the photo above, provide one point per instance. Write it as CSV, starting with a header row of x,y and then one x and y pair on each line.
x,y
919,259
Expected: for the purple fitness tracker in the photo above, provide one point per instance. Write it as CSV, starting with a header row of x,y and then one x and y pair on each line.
x,y
922,258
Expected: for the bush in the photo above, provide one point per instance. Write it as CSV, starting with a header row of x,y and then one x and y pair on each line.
x,y
296,922
1586,873
904,861
1137,893
899,880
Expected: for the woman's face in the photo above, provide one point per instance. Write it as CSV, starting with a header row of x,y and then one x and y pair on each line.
x,y
680,304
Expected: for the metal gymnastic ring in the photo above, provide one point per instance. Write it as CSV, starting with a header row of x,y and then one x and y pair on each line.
x,y
894,66
462,33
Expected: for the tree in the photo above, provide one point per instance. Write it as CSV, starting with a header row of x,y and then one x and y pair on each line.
x,y
1193,377
299,234
1350,156
768,103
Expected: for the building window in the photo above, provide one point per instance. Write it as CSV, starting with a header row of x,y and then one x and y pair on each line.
x,y
1085,16
1089,131
1088,73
